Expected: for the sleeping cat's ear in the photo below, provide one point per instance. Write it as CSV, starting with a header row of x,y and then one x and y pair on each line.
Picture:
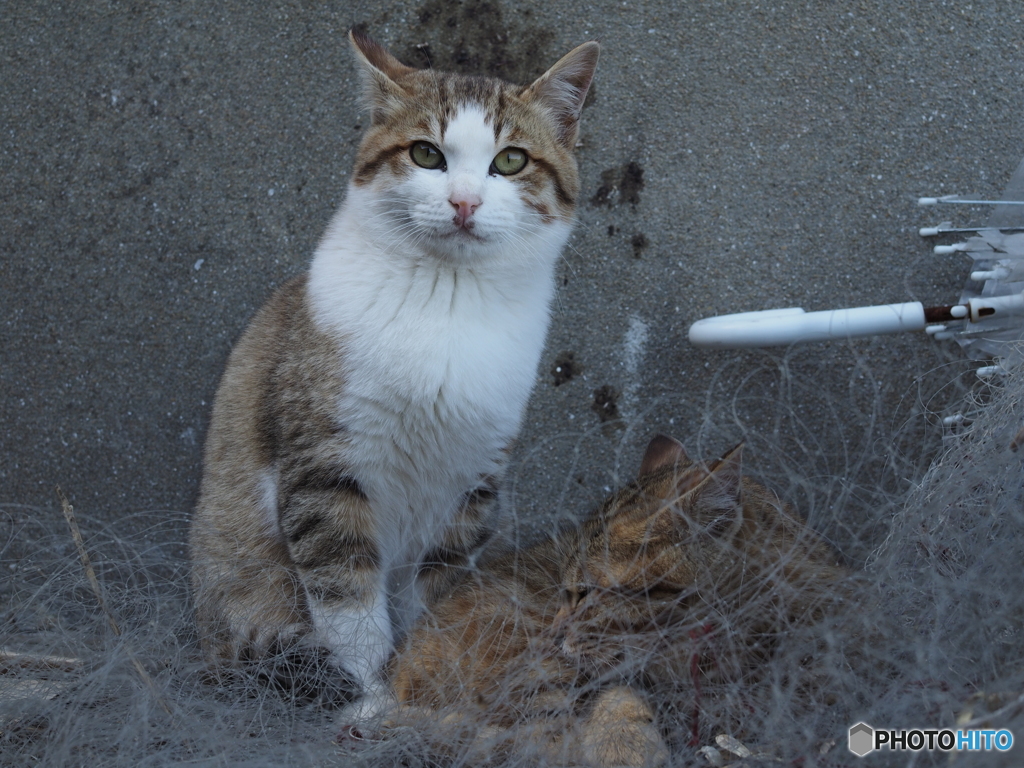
x,y
563,88
378,70
716,497
663,451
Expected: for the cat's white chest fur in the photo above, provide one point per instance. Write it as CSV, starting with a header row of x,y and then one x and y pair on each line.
x,y
440,355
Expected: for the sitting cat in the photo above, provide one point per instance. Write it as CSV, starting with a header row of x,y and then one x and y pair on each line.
x,y
363,423
553,647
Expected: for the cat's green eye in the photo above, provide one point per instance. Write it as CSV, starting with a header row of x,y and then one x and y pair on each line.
x,y
426,155
508,162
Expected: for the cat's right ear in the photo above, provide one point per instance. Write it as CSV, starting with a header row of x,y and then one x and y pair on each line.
x,y
378,71
717,495
663,451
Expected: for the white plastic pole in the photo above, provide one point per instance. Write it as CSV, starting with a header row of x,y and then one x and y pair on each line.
x,y
954,200
775,327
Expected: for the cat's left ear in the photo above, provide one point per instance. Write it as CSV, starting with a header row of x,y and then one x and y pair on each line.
x,y
378,70
563,89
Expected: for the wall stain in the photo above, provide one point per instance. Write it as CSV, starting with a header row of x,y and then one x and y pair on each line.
x,y
639,243
619,185
565,367
477,37
606,403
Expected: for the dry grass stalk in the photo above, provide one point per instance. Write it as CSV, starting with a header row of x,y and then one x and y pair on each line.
x,y
90,574
14,660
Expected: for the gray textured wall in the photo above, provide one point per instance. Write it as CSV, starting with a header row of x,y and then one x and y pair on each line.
x,y
165,166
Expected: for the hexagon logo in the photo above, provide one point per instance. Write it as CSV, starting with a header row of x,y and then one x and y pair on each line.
x,y
862,739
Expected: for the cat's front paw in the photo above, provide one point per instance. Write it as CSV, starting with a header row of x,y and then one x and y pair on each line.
x,y
621,731
355,737
306,674
363,719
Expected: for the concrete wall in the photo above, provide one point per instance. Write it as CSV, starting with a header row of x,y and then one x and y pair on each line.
x,y
165,166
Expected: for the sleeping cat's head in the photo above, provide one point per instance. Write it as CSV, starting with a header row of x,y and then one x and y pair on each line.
x,y
465,167
684,545
637,561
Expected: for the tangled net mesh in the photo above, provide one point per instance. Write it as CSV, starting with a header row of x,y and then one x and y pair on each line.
x,y
939,601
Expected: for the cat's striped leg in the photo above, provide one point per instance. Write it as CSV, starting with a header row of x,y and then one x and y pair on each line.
x,y
328,525
251,608
465,536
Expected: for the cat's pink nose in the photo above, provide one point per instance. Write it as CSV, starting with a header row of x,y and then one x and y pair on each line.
x,y
465,206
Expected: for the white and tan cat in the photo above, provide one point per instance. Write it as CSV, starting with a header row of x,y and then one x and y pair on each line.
x,y
362,426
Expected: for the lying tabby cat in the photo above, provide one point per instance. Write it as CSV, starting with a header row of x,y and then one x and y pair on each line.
x,y
690,582
552,648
